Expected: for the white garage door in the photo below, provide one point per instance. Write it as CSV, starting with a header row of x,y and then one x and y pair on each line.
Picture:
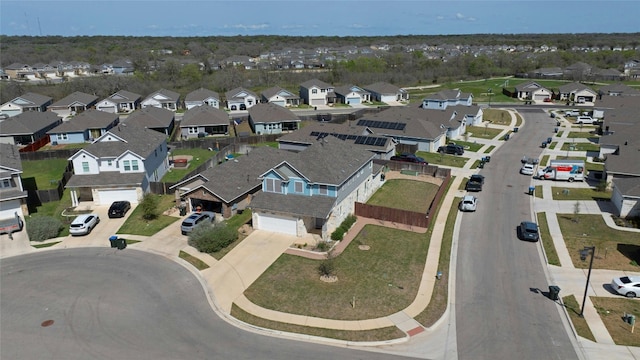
x,y
106,197
317,101
109,109
280,102
540,96
277,224
353,100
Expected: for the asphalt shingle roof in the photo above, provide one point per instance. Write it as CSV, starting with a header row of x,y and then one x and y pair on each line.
x,y
204,115
28,123
89,119
33,98
76,97
10,157
141,141
151,117
201,94
314,206
271,113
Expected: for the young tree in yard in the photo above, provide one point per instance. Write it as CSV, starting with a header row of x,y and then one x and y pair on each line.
x,y
149,206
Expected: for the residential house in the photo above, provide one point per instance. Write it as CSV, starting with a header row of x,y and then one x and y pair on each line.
x,y
577,93
240,99
578,71
86,126
352,95
28,127
73,104
202,96
444,98
26,102
547,73
13,196
316,93
164,99
608,74
532,91
316,189
120,102
19,71
619,89
158,119
632,69
280,96
229,187
382,147
620,149
269,118
387,93
203,121
119,165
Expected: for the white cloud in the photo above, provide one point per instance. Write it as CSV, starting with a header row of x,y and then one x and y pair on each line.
x,y
249,27
459,16
357,26
439,17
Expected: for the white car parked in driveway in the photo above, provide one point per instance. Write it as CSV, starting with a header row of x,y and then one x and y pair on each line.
x,y
628,286
83,224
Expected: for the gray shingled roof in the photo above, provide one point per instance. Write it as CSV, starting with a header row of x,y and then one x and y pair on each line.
x,y
76,97
170,95
574,86
204,115
125,95
271,113
201,95
106,180
141,141
233,94
28,123
89,119
314,206
10,157
315,82
528,86
151,117
421,123
620,88
33,98
627,186
383,88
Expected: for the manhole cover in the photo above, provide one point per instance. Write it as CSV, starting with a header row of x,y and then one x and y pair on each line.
x,y
509,185
47,323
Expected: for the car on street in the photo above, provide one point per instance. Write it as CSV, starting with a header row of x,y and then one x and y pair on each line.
x,y
194,220
83,224
406,157
527,169
475,183
119,208
451,149
468,203
528,231
628,286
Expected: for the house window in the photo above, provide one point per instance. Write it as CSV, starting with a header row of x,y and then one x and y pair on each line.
x,y
127,165
314,91
193,130
323,190
85,166
273,185
109,163
5,183
134,165
298,186
64,136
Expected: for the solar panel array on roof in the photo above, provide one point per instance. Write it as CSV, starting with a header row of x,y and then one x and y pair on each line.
x,y
359,139
382,124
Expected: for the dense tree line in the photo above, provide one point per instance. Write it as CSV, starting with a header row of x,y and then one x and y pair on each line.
x,y
397,66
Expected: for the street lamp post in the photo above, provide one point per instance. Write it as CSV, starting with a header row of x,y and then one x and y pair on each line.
x,y
490,91
583,256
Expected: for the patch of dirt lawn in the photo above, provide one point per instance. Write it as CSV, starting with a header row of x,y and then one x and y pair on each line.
x,y
405,194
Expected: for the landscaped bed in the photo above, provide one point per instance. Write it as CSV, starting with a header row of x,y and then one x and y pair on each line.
x,y
382,280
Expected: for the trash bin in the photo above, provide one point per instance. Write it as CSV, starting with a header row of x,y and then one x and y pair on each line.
x,y
544,144
515,129
481,165
549,140
183,210
506,137
112,240
531,190
555,130
122,243
553,292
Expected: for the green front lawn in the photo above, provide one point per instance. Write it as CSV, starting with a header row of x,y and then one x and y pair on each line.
x,y
483,132
383,280
582,135
137,225
468,146
547,241
580,147
611,311
562,193
46,173
405,195
443,159
496,116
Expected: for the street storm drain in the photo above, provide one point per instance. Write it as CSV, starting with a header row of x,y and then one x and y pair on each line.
x,y
47,323
509,185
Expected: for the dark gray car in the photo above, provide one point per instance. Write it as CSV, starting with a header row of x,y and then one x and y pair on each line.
x,y
528,231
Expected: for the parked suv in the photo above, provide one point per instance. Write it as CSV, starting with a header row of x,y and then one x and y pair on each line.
x,y
475,183
585,120
194,220
118,209
406,157
451,149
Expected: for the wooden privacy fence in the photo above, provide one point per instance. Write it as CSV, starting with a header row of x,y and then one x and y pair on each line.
x,y
406,217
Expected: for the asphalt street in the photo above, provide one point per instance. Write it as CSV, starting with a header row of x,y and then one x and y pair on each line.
x,y
502,311
103,303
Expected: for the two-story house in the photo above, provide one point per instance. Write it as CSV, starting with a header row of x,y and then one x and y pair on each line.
x,y
26,102
317,93
118,165
202,96
164,99
13,197
316,189
120,102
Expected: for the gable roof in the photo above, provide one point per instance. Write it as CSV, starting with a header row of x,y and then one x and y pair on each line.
x,y
89,119
271,113
574,86
201,95
277,90
383,88
168,95
239,93
204,115
529,86
28,123
139,140
346,89
317,83
619,88
420,123
10,158
75,98
151,117
124,95
448,94
313,206
32,99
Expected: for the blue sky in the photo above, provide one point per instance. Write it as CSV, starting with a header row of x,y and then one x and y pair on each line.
x,y
315,17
